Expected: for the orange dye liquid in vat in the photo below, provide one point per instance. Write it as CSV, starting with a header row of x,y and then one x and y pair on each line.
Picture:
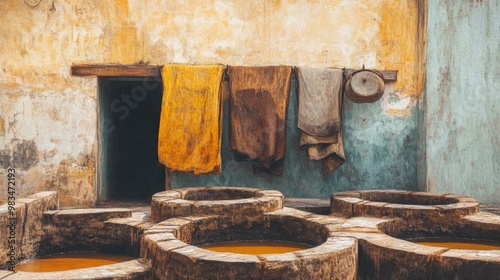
x,y
458,244
70,261
256,247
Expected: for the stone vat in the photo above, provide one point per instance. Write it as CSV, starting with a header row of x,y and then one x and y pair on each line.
x,y
367,237
42,229
233,201
385,247
138,269
172,246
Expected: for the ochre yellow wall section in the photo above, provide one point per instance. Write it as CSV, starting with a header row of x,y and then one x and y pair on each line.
x,y
326,33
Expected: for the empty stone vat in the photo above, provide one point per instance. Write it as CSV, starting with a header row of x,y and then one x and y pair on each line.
x,y
406,204
173,247
234,201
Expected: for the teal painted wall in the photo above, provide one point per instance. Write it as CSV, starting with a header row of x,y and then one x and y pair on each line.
x,y
462,115
381,153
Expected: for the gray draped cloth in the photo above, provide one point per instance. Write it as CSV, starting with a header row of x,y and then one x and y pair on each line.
x,y
320,115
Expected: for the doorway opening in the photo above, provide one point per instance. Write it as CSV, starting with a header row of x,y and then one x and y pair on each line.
x,y
129,117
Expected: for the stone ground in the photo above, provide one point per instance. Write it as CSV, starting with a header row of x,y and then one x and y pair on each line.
x,y
322,206
132,205
317,206
495,209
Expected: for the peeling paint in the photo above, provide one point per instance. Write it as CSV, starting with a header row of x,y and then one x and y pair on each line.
x,y
58,112
397,104
42,130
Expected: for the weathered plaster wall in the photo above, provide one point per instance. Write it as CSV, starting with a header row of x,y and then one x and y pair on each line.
x,y
48,118
462,99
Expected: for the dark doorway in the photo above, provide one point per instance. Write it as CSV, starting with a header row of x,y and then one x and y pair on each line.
x,y
129,116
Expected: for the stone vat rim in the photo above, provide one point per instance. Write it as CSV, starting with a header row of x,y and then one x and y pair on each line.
x,y
112,270
350,202
172,203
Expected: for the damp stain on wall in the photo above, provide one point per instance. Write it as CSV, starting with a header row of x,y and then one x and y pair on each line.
x,y
24,155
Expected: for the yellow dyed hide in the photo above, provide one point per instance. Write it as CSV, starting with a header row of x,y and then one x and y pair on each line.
x,y
189,137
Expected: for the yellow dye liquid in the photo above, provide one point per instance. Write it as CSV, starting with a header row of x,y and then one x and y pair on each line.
x,y
256,247
70,261
462,245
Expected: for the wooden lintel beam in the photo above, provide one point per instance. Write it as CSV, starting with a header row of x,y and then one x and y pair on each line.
x,y
389,75
115,70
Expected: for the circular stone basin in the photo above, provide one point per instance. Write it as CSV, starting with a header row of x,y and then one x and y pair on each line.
x,y
393,203
70,261
234,201
127,269
65,231
180,240
387,247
